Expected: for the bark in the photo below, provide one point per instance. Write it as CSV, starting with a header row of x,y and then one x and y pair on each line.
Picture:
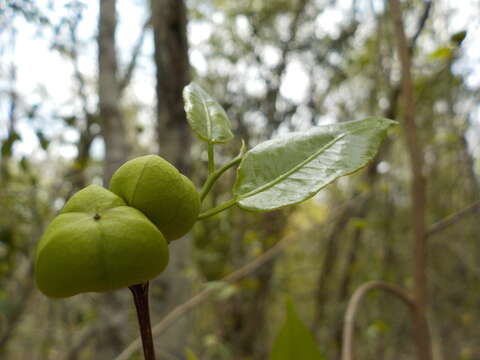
x,y
418,193
169,22
112,122
110,341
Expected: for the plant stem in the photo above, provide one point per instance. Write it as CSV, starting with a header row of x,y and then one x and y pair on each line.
x,y
217,209
213,176
140,297
211,159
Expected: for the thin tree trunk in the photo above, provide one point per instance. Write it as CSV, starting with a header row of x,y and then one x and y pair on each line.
x,y
169,22
110,341
418,194
113,128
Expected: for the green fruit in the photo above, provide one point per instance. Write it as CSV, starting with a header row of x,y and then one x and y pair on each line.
x,y
97,243
156,188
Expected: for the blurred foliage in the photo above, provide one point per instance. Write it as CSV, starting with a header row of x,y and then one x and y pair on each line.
x,y
275,66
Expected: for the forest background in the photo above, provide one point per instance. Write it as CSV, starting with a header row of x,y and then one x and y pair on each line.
x,y
86,85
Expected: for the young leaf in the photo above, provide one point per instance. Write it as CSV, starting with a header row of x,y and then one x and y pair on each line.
x,y
291,169
206,116
294,341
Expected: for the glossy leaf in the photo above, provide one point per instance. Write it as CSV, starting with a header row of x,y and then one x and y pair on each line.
x,y
293,168
294,341
206,117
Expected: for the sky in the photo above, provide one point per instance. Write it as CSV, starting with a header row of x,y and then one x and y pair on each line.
x,y
42,72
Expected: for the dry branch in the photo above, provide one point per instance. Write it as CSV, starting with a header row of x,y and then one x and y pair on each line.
x,y
358,295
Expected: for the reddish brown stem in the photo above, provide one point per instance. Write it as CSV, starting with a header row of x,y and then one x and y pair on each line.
x,y
140,297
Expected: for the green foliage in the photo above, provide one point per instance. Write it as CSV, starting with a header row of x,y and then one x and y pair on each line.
x,y
442,53
205,115
458,37
294,341
293,168
7,144
42,139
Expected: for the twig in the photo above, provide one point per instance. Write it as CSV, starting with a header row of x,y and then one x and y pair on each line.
x,y
421,24
352,308
125,80
452,219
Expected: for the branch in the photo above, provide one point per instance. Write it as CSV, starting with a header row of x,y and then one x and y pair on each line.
x,y
352,309
125,80
452,219
198,299
421,24
73,54
273,87
417,188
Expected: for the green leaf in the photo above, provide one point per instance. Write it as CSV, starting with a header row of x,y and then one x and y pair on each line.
x,y
295,167
458,37
294,341
24,163
44,142
7,146
206,117
441,53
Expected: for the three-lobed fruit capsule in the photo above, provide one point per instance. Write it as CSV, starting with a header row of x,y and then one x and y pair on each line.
x,y
105,240
156,188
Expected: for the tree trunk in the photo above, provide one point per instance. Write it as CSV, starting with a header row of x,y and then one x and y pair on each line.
x,y
111,340
111,120
169,21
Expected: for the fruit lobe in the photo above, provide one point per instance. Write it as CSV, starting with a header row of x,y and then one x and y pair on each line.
x,y
97,243
156,188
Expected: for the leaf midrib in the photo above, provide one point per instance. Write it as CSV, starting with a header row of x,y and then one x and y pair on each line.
x,y
300,165
292,170
209,120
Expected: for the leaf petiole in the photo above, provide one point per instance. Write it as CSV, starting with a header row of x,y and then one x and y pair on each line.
x,y
217,209
211,158
213,177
